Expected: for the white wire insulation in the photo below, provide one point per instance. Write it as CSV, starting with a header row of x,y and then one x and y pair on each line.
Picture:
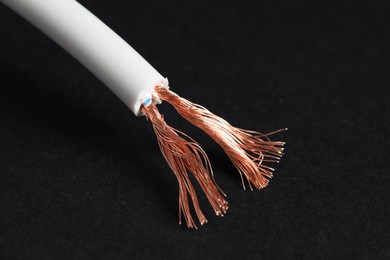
x,y
94,45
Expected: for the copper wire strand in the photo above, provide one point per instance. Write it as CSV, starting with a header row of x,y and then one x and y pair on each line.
x,y
184,155
248,150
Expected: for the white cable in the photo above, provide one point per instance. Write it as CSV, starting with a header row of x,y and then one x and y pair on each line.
x,y
96,46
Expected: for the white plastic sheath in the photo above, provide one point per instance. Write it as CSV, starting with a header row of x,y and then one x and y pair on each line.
x,y
96,46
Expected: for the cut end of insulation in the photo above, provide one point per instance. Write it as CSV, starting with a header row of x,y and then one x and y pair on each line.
x,y
150,96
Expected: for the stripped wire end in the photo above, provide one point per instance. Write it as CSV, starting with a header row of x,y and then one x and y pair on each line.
x,y
184,155
248,150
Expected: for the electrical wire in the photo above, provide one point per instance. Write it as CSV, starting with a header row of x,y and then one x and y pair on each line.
x,y
141,88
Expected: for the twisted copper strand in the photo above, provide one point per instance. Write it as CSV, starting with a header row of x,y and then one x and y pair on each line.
x,y
184,155
248,150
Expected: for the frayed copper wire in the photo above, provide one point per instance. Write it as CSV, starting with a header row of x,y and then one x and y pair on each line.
x,y
184,155
248,150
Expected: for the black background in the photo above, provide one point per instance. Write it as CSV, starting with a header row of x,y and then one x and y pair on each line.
x,y
81,177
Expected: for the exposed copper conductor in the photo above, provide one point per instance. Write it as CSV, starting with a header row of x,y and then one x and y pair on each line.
x,y
248,150
184,155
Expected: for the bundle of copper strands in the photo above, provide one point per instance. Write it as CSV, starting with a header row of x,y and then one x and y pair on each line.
x,y
248,151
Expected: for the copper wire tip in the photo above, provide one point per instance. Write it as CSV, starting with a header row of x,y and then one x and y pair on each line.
x,y
248,150
185,156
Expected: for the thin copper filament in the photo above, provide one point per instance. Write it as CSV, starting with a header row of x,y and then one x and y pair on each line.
x,y
248,150
184,155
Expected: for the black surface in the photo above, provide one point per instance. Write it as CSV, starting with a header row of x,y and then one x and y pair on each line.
x,y
82,178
